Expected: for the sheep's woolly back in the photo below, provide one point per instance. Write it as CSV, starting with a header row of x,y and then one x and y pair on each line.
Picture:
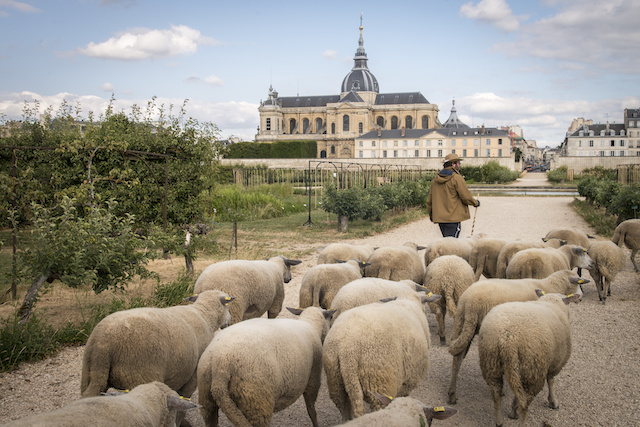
x,y
511,248
541,262
482,296
321,282
450,246
145,405
449,276
257,285
573,236
526,342
365,351
402,411
137,346
608,260
367,290
396,263
259,366
343,251
628,233
484,257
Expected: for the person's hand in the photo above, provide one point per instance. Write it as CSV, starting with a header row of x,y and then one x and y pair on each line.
x,y
478,205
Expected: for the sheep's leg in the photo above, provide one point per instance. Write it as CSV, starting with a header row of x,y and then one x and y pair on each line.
x,y
310,401
455,368
553,401
440,313
209,413
633,260
496,385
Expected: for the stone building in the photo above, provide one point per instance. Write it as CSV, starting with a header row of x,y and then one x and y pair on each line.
x,y
335,121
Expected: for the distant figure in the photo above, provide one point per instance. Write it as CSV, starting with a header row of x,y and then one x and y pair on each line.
x,y
449,198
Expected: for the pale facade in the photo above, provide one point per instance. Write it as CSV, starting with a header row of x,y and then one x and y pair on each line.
x,y
606,140
335,121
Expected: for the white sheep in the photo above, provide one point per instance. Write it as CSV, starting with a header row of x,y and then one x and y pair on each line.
x,y
260,366
482,296
448,276
396,263
401,411
511,248
451,246
608,260
151,404
628,232
372,289
528,343
378,347
573,236
137,346
321,282
539,263
342,251
257,285
484,257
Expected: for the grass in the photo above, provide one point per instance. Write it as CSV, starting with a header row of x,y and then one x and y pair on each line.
x,y
603,223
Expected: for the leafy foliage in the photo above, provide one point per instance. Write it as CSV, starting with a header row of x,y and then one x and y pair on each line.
x,y
490,172
558,175
600,187
275,150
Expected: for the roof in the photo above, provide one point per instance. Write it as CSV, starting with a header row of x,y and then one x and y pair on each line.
x,y
453,121
597,128
400,98
351,97
418,133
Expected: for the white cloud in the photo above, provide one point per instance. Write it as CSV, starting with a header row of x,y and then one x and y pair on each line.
x,y
494,12
330,54
214,80
18,6
107,87
144,43
597,33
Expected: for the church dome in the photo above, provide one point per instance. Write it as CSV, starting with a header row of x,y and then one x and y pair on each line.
x,y
360,79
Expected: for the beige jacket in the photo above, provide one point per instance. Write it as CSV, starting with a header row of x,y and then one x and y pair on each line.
x,y
449,198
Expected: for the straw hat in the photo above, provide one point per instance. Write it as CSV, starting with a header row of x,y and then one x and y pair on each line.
x,y
452,157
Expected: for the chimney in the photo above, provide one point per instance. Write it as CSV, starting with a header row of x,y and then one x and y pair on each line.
x,y
482,131
402,131
379,131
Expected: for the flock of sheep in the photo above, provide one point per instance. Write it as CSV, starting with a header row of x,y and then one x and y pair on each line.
x,y
362,320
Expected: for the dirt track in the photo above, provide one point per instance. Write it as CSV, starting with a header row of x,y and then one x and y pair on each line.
x,y
600,386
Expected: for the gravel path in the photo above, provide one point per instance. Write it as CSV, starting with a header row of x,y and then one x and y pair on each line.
x,y
600,385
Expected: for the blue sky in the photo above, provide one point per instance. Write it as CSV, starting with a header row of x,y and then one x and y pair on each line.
x,y
536,63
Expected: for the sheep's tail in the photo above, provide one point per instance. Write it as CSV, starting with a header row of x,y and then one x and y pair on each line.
x,y
464,329
618,237
477,261
306,297
349,371
508,353
96,365
220,395
384,272
449,292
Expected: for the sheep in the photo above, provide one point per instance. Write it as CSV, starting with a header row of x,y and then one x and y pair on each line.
x,y
451,246
449,276
484,257
396,263
511,248
571,235
257,285
321,282
341,251
401,411
538,263
482,296
137,346
608,260
260,366
628,232
372,289
528,343
152,404
382,348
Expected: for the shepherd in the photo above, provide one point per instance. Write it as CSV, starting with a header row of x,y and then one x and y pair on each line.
x,y
449,198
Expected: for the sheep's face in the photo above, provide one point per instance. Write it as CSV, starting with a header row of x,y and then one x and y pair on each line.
x,y
584,260
226,318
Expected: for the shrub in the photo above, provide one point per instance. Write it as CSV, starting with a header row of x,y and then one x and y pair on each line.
x,y
558,175
493,172
623,203
32,341
373,206
348,202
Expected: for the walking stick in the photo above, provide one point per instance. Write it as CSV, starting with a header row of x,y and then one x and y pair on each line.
x,y
474,218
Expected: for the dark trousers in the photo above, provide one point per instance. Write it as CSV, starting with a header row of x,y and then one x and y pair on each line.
x,y
450,229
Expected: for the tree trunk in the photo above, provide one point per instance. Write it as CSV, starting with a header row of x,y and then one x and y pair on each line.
x,y
27,304
343,223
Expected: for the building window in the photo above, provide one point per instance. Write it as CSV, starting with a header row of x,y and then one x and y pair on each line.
x,y
404,153
345,123
499,152
425,122
360,143
384,143
405,143
453,151
428,153
499,141
292,125
408,122
416,153
476,142
428,143
384,153
488,141
622,143
579,143
464,152
417,143
360,154
360,127
373,154
305,125
488,152
395,143
591,143
373,143
464,142
394,122
439,143
395,153
612,153
333,149
268,124
475,152
318,125
333,128
453,142
380,121
439,153
601,153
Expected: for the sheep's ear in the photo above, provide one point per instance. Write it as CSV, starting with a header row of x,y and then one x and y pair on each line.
x,y
540,292
439,412
180,403
115,392
571,298
574,280
383,398
388,299
421,248
590,236
578,250
563,242
291,262
340,261
328,314
296,311
363,264
544,239
191,298
420,288
225,300
430,297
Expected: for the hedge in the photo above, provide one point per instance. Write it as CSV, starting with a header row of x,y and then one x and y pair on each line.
x,y
275,150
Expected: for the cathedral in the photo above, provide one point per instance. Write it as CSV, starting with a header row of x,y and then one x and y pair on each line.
x,y
335,121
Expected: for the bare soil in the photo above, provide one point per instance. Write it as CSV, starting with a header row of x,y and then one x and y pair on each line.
x,y
600,385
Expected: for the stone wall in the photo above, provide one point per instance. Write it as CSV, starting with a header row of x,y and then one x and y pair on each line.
x,y
579,163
